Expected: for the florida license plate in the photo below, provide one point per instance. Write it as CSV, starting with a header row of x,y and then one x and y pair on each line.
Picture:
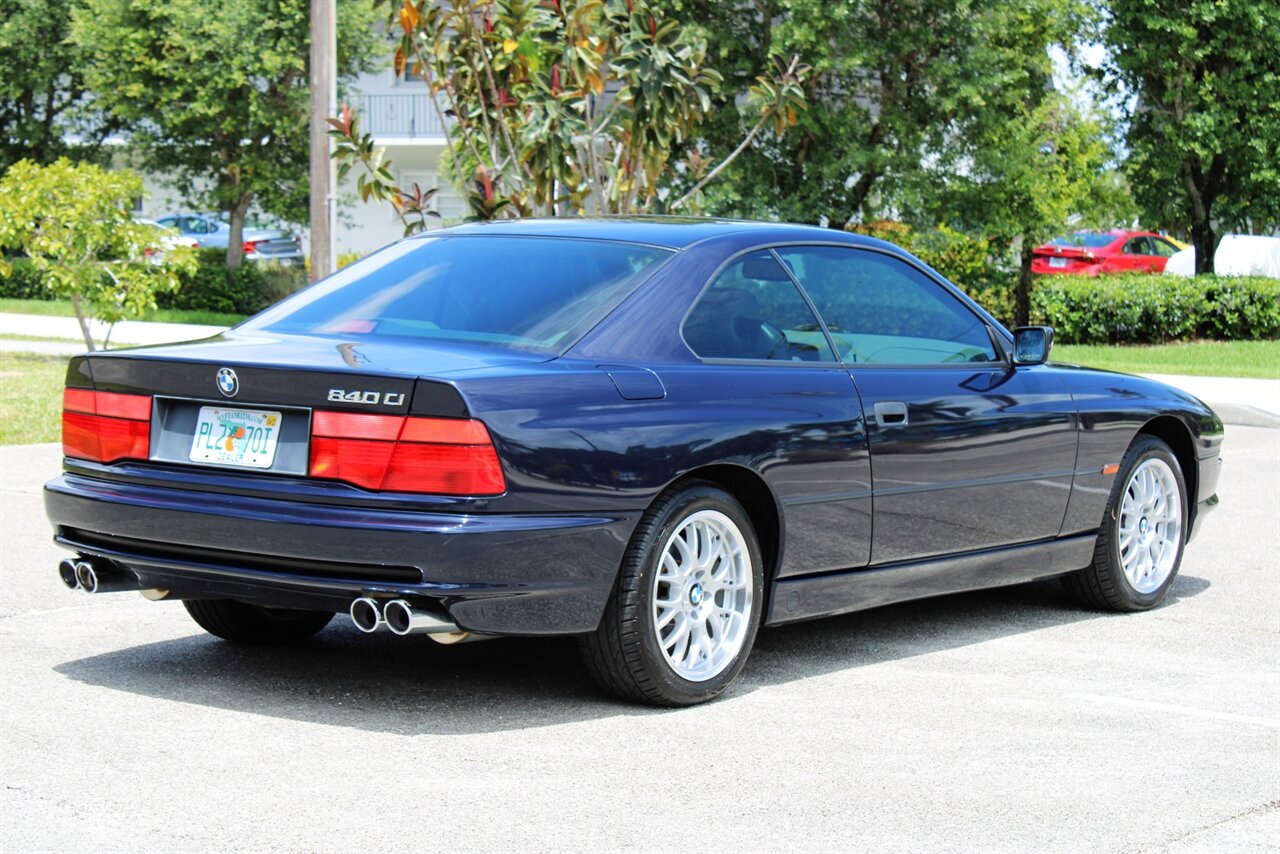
x,y
1057,262
236,437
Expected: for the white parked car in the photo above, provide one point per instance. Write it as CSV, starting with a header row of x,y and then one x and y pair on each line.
x,y
1237,255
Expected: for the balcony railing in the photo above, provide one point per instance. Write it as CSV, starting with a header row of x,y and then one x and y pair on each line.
x,y
410,116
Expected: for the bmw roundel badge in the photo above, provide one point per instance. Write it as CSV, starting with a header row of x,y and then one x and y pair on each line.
x,y
228,383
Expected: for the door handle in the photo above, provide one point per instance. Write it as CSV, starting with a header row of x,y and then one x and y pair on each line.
x,y
891,413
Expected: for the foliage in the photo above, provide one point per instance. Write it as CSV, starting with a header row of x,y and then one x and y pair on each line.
x,y
248,289
1141,308
207,286
896,86
1204,112
570,106
73,222
216,96
45,110
22,280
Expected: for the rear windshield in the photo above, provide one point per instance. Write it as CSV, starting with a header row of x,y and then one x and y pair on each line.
x,y
531,293
1088,239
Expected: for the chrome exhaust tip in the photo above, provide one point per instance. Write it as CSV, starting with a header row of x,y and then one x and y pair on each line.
x,y
365,614
404,619
67,572
86,576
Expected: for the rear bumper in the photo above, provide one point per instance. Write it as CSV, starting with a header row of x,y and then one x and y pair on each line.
x,y
499,574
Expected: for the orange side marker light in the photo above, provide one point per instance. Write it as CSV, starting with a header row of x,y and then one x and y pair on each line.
x,y
1111,469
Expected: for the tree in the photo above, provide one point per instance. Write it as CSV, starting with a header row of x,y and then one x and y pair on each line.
x,y
45,110
215,94
73,221
890,80
571,106
1029,178
1204,132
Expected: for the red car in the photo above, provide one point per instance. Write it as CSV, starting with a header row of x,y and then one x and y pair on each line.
x,y
1092,253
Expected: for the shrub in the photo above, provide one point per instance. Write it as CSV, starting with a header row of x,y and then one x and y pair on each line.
x,y
23,281
1241,309
209,287
245,290
1147,309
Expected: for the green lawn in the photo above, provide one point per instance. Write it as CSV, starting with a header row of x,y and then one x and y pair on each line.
x,y
62,308
31,398
1256,359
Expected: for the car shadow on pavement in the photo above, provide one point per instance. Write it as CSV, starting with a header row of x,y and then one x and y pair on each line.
x,y
413,685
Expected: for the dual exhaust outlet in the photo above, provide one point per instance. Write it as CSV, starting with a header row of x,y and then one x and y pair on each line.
x,y
401,618
83,575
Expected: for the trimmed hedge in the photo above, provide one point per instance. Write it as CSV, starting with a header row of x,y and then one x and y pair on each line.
x,y
1149,309
212,287
23,281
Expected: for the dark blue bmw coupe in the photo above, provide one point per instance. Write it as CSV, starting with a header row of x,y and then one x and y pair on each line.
x,y
655,434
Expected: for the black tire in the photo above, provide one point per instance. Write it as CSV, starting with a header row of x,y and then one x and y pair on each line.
x,y
624,655
240,622
1103,584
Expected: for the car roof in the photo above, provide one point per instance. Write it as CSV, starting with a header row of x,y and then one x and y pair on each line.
x,y
673,232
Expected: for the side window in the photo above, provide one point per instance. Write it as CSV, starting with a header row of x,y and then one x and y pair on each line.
x,y
1137,246
881,310
1164,248
753,311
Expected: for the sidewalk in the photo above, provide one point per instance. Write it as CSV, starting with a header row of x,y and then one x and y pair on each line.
x,y
1246,402
68,328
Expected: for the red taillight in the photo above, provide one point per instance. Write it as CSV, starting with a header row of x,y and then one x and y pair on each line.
x,y
446,456
251,246
105,426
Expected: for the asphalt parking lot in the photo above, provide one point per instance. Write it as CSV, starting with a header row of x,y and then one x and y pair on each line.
x,y
1008,720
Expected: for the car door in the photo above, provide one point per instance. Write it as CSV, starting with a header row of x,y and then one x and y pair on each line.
x,y
1138,256
768,368
967,452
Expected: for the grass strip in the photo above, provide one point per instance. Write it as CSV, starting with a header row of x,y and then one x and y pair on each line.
x,y
1252,359
62,308
31,398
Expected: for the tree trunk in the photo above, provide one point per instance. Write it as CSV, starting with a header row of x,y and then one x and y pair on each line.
x,y
1202,192
1203,239
1022,294
235,243
84,322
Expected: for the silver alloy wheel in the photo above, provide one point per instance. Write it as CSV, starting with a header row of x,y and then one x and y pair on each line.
x,y
702,595
1149,525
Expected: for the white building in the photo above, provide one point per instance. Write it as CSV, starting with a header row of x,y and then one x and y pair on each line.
x,y
399,115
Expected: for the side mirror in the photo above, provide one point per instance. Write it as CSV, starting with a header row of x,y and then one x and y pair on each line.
x,y
1031,345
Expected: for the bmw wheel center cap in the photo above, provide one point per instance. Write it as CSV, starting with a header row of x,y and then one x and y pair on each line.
x,y
228,382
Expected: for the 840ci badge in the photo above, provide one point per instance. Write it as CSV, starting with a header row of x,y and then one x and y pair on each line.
x,y
235,437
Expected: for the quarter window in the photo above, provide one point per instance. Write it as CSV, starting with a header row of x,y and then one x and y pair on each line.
x,y
754,311
881,310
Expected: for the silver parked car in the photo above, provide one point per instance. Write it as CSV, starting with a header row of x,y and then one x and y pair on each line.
x,y
260,243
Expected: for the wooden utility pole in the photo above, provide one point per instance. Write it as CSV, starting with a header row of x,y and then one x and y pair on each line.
x,y
324,103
